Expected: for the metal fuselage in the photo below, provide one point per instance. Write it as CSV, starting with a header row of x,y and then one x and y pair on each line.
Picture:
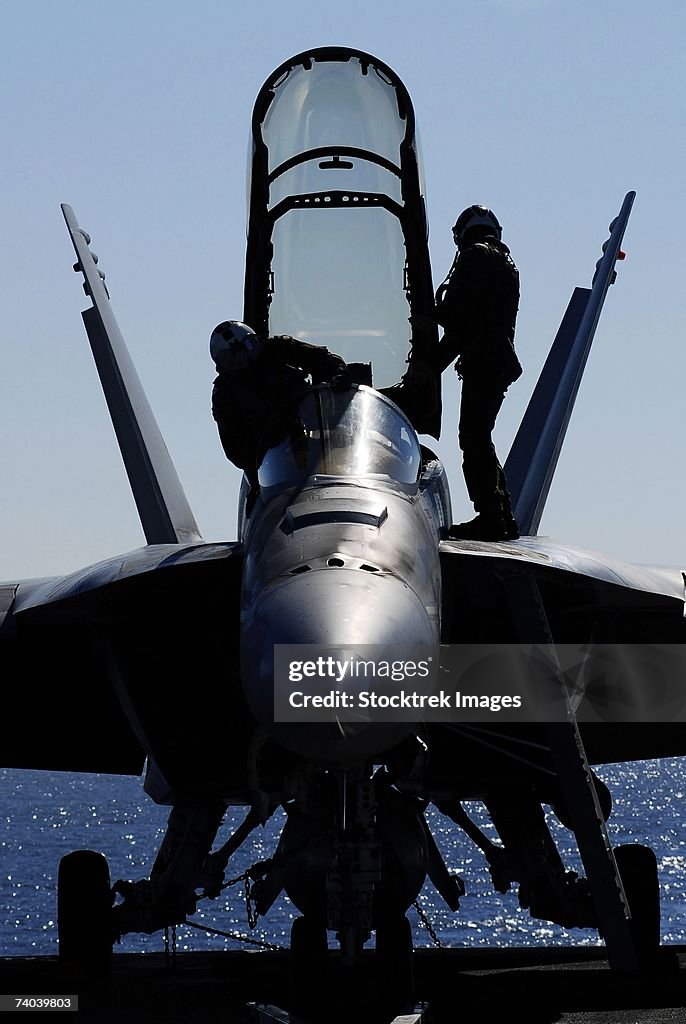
x,y
341,549
343,559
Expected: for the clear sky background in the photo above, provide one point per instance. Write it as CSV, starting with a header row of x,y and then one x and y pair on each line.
x,y
137,114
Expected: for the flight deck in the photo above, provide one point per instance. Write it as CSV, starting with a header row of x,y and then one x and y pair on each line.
x,y
572,985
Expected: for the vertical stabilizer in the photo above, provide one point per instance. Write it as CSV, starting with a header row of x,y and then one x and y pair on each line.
x,y
164,511
533,457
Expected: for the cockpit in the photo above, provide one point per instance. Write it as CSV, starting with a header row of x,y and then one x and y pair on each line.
x,y
353,433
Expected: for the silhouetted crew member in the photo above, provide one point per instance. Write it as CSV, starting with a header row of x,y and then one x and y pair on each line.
x,y
477,307
257,376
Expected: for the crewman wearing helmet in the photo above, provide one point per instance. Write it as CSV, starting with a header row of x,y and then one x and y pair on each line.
x,y
477,307
255,377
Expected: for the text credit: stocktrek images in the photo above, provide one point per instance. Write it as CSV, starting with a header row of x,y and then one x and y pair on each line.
x,y
494,683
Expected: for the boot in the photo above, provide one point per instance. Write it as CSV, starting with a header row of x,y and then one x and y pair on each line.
x,y
511,528
490,525
508,521
482,527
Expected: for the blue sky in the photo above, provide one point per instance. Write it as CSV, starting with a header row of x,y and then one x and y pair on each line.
x,y
137,114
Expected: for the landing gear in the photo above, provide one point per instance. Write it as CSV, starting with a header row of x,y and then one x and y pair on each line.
x,y
84,915
351,875
182,866
529,857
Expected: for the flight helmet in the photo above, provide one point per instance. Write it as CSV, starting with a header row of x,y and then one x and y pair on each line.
x,y
476,217
234,345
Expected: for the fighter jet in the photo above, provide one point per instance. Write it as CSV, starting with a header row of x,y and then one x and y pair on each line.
x,y
165,661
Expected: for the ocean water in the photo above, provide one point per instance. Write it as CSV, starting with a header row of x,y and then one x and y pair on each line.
x,y
45,815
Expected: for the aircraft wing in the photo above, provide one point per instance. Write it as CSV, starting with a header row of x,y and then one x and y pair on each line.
x,y
64,640
585,595
586,598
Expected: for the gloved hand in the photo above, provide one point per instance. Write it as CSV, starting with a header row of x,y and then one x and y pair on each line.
x,y
421,322
342,380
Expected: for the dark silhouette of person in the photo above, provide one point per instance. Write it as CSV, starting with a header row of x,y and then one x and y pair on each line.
x,y
477,307
255,377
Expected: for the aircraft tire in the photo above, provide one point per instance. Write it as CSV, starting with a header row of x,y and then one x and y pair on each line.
x,y
84,915
308,958
394,964
637,866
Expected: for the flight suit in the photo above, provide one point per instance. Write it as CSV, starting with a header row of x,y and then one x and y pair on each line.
x,y
244,402
477,307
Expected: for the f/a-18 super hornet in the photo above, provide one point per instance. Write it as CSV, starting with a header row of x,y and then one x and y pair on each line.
x,y
167,654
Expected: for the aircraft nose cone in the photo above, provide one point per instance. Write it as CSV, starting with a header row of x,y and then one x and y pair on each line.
x,y
341,606
340,610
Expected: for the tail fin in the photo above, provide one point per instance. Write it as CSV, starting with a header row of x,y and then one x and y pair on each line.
x,y
533,457
165,514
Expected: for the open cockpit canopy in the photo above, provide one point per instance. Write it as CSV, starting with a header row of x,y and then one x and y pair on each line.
x,y
337,234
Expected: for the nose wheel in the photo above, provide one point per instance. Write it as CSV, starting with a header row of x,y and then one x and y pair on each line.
x,y
375,988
